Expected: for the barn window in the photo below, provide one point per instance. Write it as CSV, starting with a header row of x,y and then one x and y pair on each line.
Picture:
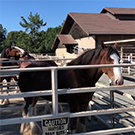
x,y
70,48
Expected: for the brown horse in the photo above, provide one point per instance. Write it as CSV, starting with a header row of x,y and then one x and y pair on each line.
x,y
41,80
10,53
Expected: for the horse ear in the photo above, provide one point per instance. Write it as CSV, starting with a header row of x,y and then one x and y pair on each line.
x,y
103,46
116,45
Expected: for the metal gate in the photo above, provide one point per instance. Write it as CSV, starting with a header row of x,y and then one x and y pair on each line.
x,y
54,92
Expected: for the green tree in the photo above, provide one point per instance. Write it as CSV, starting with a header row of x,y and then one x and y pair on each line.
x,y
40,47
23,40
3,33
32,27
12,38
50,36
18,38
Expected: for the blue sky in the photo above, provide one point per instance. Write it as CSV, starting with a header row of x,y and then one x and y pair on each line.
x,y
53,12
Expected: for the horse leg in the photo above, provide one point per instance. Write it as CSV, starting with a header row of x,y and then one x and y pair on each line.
x,y
1,89
73,121
60,108
81,121
25,126
48,108
30,128
13,82
4,101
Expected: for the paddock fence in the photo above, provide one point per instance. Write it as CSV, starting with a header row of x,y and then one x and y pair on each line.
x,y
129,58
55,92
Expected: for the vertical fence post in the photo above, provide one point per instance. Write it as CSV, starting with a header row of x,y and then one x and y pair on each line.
x,y
129,59
112,104
121,54
54,92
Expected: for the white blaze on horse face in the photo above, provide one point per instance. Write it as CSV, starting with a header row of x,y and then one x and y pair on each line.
x,y
21,50
118,80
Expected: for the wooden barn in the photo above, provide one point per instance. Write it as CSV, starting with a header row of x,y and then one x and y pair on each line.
x,y
89,30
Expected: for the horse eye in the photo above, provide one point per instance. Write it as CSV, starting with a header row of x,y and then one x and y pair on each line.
x,y
16,51
109,59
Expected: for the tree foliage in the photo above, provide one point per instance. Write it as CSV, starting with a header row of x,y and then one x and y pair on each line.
x,y
32,27
32,39
3,33
50,35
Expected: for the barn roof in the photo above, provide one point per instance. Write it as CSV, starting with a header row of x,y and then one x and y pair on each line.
x,y
107,22
120,11
94,24
64,40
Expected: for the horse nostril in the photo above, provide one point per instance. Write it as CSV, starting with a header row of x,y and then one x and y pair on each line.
x,y
119,82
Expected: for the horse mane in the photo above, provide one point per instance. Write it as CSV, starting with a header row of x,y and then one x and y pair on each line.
x,y
111,50
28,55
87,56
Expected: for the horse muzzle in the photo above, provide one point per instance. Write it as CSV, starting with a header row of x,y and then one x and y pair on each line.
x,y
119,81
116,81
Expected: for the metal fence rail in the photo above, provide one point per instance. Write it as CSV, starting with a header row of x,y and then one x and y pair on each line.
x,y
66,91
70,115
54,92
16,71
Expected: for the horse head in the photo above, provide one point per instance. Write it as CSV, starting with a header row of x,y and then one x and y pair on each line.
x,y
12,51
111,56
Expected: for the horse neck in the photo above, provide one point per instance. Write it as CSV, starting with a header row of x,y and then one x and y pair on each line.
x,y
91,75
95,73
